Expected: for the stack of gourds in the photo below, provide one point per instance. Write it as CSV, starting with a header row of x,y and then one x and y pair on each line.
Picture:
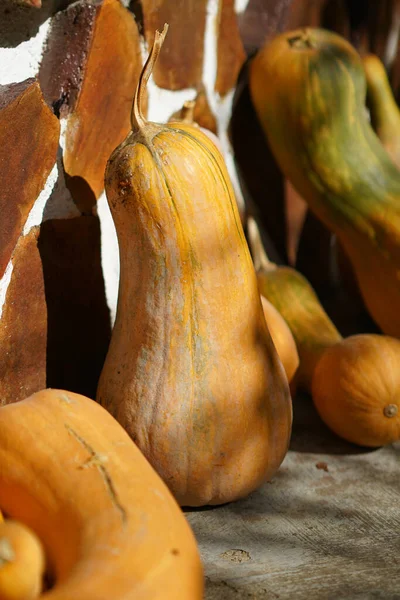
x,y
206,341
309,91
192,375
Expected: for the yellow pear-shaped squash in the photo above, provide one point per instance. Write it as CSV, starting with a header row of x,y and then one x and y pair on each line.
x,y
191,372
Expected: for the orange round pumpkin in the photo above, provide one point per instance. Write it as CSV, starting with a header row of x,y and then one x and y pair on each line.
x,y
356,389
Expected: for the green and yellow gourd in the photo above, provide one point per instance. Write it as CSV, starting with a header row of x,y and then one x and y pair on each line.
x,y
308,88
191,372
385,114
294,298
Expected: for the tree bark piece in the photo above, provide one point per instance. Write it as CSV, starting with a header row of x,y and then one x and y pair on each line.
x,y
55,326
90,72
29,134
180,64
23,325
262,20
78,319
231,54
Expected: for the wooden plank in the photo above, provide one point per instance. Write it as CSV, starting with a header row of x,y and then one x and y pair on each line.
x,y
101,117
29,135
55,326
261,20
180,64
231,54
23,325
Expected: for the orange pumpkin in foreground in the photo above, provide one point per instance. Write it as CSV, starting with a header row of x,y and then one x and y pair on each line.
x,y
109,525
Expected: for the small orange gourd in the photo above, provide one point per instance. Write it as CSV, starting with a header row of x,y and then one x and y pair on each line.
x,y
354,383
282,338
356,389
110,527
191,372
22,562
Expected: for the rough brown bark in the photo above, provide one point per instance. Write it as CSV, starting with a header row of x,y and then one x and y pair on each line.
x,y
89,72
23,325
231,54
180,64
29,135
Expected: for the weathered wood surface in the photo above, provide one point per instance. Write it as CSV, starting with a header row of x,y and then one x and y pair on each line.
x,y
180,64
28,147
327,527
23,325
231,54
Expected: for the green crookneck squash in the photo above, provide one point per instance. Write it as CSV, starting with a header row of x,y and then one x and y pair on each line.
x,y
109,526
308,88
354,382
296,301
191,372
385,114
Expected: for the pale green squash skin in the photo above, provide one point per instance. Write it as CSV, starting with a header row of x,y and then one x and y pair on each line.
x,y
295,299
312,329
308,88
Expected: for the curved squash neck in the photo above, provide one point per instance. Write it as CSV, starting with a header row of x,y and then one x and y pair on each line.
x,y
296,301
260,258
339,140
385,114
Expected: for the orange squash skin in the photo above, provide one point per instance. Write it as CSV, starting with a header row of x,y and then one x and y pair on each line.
x,y
282,338
312,111
22,562
109,525
191,372
356,387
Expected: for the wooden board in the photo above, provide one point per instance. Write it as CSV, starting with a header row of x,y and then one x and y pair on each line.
x,y
326,528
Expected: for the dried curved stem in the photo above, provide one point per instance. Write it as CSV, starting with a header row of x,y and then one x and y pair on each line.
x,y
187,111
260,258
7,553
138,121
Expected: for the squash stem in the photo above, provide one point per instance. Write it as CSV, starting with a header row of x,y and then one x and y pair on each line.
x,y
187,111
7,553
138,121
260,258
301,41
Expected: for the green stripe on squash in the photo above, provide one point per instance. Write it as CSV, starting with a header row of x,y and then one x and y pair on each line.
x,y
308,88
